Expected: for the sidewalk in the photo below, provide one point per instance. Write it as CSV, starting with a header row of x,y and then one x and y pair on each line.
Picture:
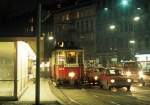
x,y
28,103
28,98
45,92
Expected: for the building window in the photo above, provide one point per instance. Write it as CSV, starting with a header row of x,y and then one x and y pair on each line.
x,y
86,13
125,27
78,15
82,14
92,25
67,17
146,43
86,25
92,36
82,26
63,18
77,25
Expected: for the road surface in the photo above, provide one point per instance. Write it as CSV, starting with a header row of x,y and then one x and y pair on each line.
x,y
95,96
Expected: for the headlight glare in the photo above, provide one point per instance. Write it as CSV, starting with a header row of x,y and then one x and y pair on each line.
x,y
96,77
128,73
129,80
71,74
112,81
141,75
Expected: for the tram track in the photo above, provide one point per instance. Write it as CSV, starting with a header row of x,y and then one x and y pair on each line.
x,y
64,99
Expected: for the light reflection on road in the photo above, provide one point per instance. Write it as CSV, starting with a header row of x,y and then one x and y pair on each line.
x,y
95,96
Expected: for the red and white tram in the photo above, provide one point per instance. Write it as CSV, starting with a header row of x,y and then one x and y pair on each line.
x,y
67,64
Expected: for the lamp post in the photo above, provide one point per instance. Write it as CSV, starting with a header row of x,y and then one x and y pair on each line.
x,y
132,48
48,38
132,42
135,20
113,60
38,32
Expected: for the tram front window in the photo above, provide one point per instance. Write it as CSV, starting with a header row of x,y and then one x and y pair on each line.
x,y
71,57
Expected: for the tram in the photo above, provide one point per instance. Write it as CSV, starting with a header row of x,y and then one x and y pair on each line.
x,y
67,64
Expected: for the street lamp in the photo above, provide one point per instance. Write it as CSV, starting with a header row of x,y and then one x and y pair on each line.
x,y
132,48
106,9
136,18
50,37
125,3
132,41
112,27
138,8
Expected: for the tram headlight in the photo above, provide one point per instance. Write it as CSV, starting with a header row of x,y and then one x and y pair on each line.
x,y
112,81
141,75
128,73
129,80
71,74
96,78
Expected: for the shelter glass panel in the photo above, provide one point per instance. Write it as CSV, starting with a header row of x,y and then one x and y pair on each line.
x,y
7,64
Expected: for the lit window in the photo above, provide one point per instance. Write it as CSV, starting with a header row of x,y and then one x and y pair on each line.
x,y
67,17
78,15
63,18
32,28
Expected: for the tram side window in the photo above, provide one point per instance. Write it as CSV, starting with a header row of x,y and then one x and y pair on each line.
x,y
61,58
80,58
71,57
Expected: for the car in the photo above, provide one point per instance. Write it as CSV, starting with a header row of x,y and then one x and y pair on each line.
x,y
92,76
133,70
113,77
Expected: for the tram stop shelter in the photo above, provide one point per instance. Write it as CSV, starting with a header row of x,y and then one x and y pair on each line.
x,y
17,67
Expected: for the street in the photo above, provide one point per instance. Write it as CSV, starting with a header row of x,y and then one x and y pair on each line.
x,y
95,96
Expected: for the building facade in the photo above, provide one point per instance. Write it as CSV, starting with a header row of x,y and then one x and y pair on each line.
x,y
108,29
122,30
78,24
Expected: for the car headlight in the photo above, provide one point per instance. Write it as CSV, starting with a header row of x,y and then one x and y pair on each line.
x,y
96,77
128,73
112,81
71,74
129,80
141,75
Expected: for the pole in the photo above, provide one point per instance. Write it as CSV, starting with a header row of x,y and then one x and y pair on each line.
x,y
133,37
38,34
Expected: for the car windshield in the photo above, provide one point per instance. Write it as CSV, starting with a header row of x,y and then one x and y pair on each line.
x,y
114,72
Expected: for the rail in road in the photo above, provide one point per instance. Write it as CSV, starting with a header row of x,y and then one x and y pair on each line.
x,y
64,99
94,96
